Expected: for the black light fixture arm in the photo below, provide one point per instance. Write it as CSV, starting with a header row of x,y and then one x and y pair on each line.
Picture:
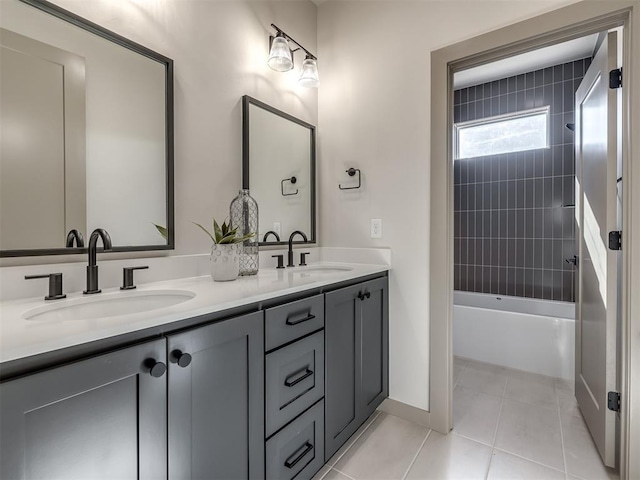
x,y
288,37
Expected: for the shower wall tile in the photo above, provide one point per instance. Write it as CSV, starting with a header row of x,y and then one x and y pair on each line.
x,y
514,222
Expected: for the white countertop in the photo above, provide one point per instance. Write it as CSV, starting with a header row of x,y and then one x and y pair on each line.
x,y
21,338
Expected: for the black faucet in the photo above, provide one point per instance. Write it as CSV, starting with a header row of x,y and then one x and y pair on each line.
x,y
92,268
290,254
77,236
271,232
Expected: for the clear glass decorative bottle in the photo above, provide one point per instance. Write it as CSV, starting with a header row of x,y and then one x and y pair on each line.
x,y
243,213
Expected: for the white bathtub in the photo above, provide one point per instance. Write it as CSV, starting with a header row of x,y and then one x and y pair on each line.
x,y
526,334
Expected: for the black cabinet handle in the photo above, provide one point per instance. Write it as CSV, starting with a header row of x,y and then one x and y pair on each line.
x,y
367,294
300,320
288,382
298,455
182,359
156,369
363,296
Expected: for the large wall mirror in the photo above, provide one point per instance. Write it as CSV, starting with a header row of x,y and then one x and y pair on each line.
x,y
86,125
278,168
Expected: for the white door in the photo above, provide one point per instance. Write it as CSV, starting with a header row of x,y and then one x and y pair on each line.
x,y
596,215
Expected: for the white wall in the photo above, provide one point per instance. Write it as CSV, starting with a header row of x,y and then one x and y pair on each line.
x,y
220,50
374,115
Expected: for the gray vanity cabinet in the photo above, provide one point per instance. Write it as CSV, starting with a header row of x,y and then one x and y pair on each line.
x,y
100,418
356,353
216,400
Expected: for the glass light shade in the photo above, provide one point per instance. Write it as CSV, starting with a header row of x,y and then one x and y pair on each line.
x,y
280,55
309,75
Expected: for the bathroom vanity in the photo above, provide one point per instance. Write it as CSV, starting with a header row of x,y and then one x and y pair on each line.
x,y
264,377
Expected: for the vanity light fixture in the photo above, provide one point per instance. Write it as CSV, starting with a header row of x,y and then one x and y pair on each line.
x,y
281,58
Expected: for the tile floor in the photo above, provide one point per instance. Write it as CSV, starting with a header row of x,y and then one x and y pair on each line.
x,y
507,425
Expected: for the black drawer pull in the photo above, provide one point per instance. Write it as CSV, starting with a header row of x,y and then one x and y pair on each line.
x,y
306,448
288,382
300,320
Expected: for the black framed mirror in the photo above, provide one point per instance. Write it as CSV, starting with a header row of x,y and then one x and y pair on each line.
x,y
87,135
279,170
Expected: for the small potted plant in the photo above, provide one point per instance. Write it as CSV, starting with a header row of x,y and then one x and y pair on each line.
x,y
225,251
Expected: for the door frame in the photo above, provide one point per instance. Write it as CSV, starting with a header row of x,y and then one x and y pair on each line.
x,y
576,20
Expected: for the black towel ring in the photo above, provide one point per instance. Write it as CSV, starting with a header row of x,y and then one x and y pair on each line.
x,y
351,172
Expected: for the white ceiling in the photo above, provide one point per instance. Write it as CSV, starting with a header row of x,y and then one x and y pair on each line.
x,y
527,62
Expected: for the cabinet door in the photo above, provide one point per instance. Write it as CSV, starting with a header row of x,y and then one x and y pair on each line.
x,y
216,401
342,380
100,418
375,350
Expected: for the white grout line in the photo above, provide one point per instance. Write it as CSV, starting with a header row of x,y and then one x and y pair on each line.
x,y
564,456
495,433
341,473
355,438
528,459
453,432
415,457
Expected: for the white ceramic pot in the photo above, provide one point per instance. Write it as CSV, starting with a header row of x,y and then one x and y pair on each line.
x,y
225,262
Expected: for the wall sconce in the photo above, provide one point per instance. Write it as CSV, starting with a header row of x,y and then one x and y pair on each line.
x,y
281,58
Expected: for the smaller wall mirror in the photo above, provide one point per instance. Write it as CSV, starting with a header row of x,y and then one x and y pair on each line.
x,y
278,168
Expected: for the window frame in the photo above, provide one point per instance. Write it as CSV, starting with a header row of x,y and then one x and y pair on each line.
x,y
501,118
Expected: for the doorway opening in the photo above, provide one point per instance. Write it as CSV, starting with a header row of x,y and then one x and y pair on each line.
x,y
519,165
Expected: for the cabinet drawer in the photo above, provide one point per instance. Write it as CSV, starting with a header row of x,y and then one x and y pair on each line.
x,y
285,323
294,380
298,449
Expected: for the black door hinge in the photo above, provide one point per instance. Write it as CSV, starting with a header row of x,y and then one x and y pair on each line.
x,y
615,78
615,240
613,401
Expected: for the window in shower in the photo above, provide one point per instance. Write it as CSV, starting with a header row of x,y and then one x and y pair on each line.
x,y
514,132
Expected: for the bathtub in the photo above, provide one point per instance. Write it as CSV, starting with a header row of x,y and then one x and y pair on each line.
x,y
526,334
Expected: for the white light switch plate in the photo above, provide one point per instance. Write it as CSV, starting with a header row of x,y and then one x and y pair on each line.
x,y
376,228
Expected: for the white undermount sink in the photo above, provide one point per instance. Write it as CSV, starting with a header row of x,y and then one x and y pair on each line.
x,y
324,269
103,305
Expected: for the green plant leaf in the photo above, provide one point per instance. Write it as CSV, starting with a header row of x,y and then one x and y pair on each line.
x,y
217,231
162,231
206,231
244,238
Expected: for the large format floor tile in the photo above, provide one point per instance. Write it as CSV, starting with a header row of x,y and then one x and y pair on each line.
x,y
505,466
475,414
484,378
583,459
384,451
530,388
531,432
450,456
341,451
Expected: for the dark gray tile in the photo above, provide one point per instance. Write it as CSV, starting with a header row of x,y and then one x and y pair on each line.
x,y
511,223
464,197
567,71
471,111
587,64
502,281
557,222
528,283
464,225
520,223
511,278
511,84
557,286
471,282
538,78
529,98
557,73
464,251
503,223
456,251
568,190
511,102
547,285
558,164
528,193
578,68
558,103
568,223
547,259
456,277
557,134
529,164
456,114
479,196
456,172
557,258
471,224
502,255
495,105
495,88
504,86
495,280
464,109
547,95
528,248
529,223
538,223
538,281
456,97
529,80
538,192
568,95
486,107
495,252
547,162
547,215
463,278
520,253
548,75
520,194
471,94
464,95
538,97
556,198
471,252
567,287
495,168
486,280
511,194
520,82
520,104
504,166
548,192
495,224
568,160
504,104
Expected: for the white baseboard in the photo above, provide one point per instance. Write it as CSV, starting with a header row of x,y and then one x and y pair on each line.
x,y
407,412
